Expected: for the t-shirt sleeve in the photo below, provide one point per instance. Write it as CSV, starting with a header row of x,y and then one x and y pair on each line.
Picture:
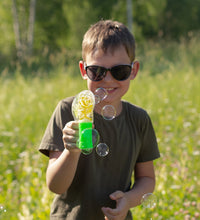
x,y
52,139
149,147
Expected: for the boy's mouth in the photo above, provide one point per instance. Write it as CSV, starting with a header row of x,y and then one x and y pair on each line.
x,y
110,90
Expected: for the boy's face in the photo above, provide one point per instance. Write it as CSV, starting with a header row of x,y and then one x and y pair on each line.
x,y
116,89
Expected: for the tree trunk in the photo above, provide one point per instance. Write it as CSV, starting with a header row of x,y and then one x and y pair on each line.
x,y
16,30
24,43
30,35
129,15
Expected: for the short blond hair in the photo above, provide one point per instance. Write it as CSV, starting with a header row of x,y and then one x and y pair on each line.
x,y
108,34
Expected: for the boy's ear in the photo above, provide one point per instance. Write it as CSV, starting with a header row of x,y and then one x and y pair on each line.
x,y
82,70
135,68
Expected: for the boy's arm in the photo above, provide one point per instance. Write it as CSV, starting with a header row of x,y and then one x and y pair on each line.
x,y
61,170
62,165
144,183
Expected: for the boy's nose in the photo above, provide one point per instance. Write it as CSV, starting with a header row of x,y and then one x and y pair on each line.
x,y
108,76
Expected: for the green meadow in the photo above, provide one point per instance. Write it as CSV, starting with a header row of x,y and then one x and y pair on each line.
x,y
168,87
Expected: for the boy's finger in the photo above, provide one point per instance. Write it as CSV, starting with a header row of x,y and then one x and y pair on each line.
x,y
110,212
116,195
71,124
71,128
75,125
70,139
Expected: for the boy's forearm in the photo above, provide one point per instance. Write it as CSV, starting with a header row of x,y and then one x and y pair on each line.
x,y
61,172
142,186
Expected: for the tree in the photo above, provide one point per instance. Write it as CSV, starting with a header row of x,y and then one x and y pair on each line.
x,y
129,14
7,41
180,17
52,27
30,36
61,23
147,15
24,45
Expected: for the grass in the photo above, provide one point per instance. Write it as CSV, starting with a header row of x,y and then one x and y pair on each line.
x,y
167,87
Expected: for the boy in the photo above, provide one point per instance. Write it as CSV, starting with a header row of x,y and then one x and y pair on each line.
x,y
89,186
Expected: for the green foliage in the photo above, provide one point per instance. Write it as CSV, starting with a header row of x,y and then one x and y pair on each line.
x,y
7,40
171,98
147,14
62,24
181,56
81,14
51,25
180,17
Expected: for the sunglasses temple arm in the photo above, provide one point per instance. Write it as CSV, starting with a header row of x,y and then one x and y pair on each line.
x,y
132,64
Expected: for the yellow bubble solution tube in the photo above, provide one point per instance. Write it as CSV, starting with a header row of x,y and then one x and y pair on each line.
x,y
82,110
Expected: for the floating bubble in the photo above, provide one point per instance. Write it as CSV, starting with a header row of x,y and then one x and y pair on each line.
x,y
86,151
102,149
95,135
86,133
149,200
108,112
97,99
100,94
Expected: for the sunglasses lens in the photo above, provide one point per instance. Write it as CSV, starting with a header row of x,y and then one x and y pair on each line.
x,y
95,73
121,72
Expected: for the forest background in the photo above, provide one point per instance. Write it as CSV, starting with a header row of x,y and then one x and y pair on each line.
x,y
40,46
35,29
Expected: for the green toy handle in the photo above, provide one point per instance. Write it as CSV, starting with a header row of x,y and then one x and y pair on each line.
x,y
85,135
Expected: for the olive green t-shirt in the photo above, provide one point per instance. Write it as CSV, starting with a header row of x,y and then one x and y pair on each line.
x,y
131,139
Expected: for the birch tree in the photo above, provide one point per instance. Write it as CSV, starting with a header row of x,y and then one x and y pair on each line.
x,y
23,29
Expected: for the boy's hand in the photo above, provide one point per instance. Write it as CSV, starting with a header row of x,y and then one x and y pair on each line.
x,y
121,210
71,135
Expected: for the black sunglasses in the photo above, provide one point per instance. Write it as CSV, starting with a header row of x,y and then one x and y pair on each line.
x,y
97,73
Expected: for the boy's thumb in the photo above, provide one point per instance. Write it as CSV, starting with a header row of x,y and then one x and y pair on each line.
x,y
116,195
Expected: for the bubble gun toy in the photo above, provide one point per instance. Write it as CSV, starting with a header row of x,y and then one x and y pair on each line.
x,y
82,110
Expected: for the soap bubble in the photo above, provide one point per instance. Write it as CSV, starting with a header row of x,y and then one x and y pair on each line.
x,y
102,149
108,112
95,135
100,94
97,99
86,151
149,200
